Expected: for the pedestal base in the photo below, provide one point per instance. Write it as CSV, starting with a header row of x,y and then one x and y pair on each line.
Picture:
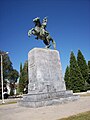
x,y
45,99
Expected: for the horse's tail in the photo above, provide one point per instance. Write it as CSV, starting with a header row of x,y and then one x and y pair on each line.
x,y
54,43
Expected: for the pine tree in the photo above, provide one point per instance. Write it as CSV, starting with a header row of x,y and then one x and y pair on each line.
x,y
20,68
67,78
77,83
82,65
21,87
23,81
89,65
25,76
88,72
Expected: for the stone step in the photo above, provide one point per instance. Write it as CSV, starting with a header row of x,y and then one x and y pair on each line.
x,y
45,96
47,102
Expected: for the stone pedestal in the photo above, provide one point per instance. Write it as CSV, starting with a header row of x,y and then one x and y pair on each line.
x,y
46,84
45,73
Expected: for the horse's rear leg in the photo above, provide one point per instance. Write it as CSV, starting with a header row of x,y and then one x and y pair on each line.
x,y
54,44
48,46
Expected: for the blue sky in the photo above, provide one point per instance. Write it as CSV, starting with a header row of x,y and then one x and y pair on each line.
x,y
68,24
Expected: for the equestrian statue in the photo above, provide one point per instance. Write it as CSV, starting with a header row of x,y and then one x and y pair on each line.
x,y
41,33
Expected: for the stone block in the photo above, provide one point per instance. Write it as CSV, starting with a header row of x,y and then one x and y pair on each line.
x,y
45,72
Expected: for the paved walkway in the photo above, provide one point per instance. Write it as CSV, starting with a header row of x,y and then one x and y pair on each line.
x,y
55,112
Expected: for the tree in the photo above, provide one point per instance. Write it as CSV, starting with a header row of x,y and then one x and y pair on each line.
x,y
88,72
13,76
76,78
67,78
89,65
7,66
20,68
82,65
25,76
23,81
13,79
8,71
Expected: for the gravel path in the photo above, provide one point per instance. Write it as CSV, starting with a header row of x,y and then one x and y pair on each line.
x,y
55,112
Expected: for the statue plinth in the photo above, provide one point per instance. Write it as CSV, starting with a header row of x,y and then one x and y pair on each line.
x,y
46,84
45,73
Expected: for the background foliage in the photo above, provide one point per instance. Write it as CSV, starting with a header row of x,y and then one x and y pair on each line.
x,y
77,74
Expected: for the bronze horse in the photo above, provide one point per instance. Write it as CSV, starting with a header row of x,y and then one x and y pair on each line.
x,y
41,33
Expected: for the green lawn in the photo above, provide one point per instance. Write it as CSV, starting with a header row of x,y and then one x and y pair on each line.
x,y
85,95
81,116
12,102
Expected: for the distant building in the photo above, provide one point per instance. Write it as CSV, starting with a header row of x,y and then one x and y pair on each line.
x,y
8,86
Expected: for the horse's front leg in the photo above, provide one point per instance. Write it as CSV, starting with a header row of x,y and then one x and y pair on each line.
x,y
30,32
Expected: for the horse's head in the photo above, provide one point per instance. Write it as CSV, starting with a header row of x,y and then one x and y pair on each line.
x,y
37,21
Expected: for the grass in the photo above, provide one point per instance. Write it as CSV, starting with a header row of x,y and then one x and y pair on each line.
x,y
84,95
81,116
13,102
